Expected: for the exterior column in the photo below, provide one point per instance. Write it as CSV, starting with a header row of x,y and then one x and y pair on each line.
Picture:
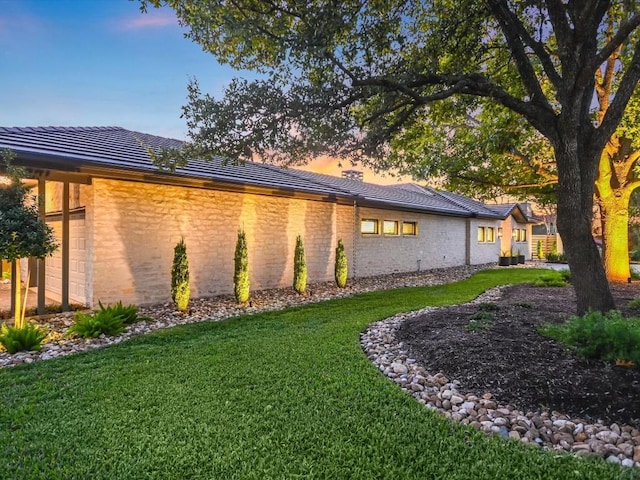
x,y
64,303
41,262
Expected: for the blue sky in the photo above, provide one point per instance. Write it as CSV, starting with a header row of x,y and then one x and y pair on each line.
x,y
103,62
99,62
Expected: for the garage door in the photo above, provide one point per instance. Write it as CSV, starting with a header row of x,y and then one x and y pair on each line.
x,y
77,261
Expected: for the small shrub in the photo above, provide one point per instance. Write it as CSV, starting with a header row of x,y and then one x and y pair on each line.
x,y
92,326
129,314
539,250
607,337
481,320
341,267
28,337
635,303
551,279
241,269
180,290
523,304
488,307
299,268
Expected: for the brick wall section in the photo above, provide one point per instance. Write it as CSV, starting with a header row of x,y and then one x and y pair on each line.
x,y
135,226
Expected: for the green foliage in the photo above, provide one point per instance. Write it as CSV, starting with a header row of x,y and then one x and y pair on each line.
x,y
539,250
6,275
28,337
488,307
22,232
635,303
481,320
180,289
341,266
129,313
523,304
93,325
556,257
299,267
606,337
241,269
552,279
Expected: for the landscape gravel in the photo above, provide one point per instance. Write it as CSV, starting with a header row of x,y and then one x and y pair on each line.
x,y
221,307
552,430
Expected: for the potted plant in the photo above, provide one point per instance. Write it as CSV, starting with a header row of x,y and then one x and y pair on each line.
x,y
504,260
520,257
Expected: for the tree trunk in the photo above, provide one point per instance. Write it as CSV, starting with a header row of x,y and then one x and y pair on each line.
x,y
615,237
576,183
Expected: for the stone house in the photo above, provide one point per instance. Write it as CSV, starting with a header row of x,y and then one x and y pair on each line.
x,y
118,218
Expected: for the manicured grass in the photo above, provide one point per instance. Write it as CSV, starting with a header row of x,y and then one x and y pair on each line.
x,y
280,395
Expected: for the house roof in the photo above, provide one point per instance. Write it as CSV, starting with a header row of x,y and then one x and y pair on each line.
x,y
478,208
514,209
78,149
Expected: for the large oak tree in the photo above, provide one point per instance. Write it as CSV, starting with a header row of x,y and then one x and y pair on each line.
x,y
348,78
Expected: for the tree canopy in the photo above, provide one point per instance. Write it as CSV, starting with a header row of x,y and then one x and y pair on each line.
x,y
22,232
362,79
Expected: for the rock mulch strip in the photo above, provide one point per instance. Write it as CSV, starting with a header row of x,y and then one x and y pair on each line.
x,y
617,443
225,306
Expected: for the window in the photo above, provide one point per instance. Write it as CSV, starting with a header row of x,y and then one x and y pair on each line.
x,y
523,235
491,238
369,227
410,228
481,235
390,227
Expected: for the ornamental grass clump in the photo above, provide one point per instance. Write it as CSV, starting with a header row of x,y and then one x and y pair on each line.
x,y
608,337
299,268
129,313
25,338
341,267
241,270
180,290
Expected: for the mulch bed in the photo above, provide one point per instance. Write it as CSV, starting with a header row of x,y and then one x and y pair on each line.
x,y
520,367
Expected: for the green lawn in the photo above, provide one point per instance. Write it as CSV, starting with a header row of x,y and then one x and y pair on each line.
x,y
279,395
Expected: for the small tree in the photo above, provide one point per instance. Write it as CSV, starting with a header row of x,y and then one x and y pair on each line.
x,y
22,232
341,270
180,290
299,268
241,271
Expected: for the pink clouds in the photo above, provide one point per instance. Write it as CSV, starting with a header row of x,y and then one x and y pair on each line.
x,y
152,19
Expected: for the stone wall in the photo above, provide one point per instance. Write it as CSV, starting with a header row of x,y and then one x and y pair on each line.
x,y
135,227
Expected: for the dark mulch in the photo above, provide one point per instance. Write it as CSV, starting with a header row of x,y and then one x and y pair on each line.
x,y
519,366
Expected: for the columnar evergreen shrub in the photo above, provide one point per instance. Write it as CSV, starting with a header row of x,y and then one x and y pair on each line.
x,y
241,271
539,250
180,290
299,268
341,269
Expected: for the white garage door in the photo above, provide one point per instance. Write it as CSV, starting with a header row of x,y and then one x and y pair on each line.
x,y
77,261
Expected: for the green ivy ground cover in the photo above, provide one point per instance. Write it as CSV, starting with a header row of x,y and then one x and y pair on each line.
x,y
282,395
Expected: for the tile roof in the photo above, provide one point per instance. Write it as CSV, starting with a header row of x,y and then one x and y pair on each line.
x,y
119,149
116,147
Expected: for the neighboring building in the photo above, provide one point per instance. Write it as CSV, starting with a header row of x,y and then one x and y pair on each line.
x,y
118,218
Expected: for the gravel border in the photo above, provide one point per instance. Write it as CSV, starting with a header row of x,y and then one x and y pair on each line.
x,y
224,306
617,443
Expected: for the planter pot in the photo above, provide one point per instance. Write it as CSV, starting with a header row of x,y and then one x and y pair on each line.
x,y
520,258
514,260
504,261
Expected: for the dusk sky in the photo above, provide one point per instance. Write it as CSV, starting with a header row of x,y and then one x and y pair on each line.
x,y
103,62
